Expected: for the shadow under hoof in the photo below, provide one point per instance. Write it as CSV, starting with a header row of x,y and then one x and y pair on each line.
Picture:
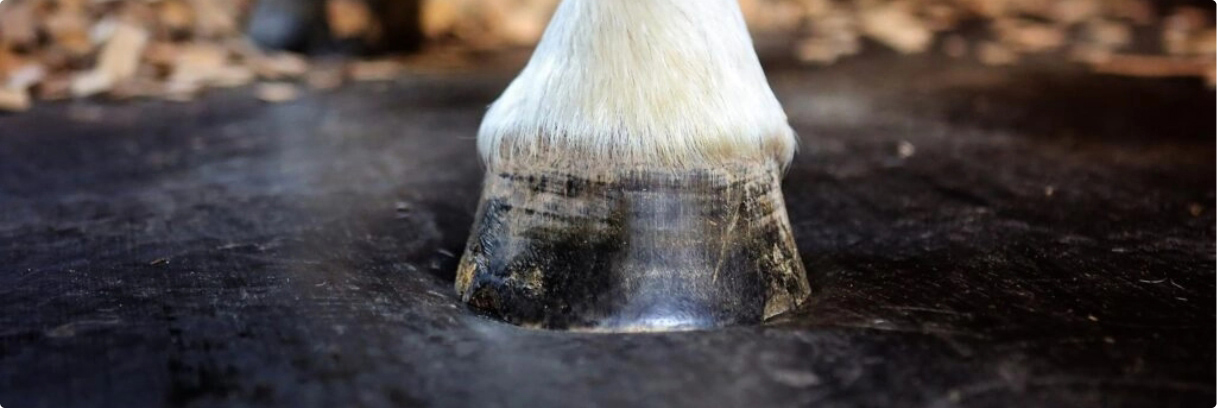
x,y
638,250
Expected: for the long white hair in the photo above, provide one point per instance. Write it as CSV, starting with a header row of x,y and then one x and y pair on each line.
x,y
652,82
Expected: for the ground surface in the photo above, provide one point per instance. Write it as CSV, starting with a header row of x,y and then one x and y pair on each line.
x,y
1048,242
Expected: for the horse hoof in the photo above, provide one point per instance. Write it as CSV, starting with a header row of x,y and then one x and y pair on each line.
x,y
632,250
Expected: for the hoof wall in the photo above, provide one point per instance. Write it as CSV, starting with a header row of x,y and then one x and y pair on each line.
x,y
641,250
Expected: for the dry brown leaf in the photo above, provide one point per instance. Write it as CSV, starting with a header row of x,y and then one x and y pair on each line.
x,y
134,12
940,17
439,17
521,27
118,61
69,30
198,63
175,16
72,5
1204,42
1074,11
204,64
102,29
229,76
161,54
989,8
215,18
771,15
1108,34
1179,28
18,24
276,92
1034,8
1187,18
893,25
816,8
55,59
280,65
9,62
55,87
324,78
374,70
243,47
14,100
181,91
991,53
1090,54
1029,36
487,24
955,46
818,51
76,44
25,76
1155,66
348,18
137,88
120,56
89,83
832,35
1140,12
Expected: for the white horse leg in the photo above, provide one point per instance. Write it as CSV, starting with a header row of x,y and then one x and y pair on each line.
x,y
633,174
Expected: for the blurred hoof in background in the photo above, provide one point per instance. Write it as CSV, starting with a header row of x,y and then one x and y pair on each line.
x,y
346,27
632,250
292,25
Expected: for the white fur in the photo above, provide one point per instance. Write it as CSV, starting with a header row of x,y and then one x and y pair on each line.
x,y
667,82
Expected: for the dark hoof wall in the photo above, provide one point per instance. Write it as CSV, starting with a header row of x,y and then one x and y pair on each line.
x,y
643,250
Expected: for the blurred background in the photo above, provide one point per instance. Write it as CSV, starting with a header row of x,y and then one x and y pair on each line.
x,y
212,203
174,49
